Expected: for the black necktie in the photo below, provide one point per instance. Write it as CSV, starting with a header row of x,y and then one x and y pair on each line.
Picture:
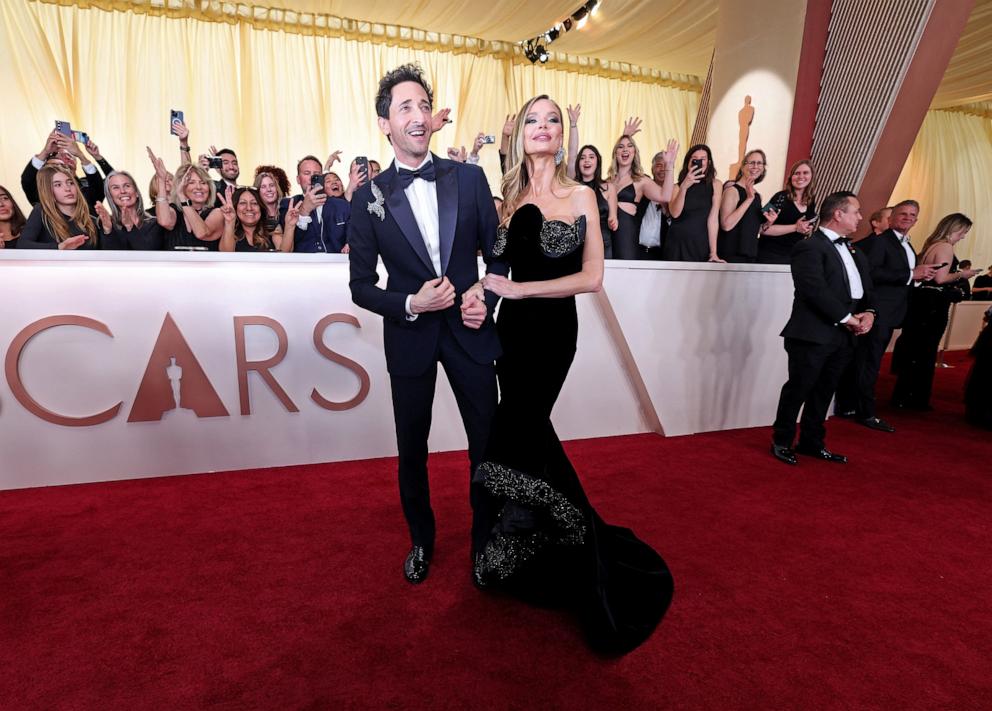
x,y
405,177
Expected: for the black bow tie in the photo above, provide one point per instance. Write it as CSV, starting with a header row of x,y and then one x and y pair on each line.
x,y
425,172
846,241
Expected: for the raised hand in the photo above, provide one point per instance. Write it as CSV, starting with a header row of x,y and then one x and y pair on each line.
x,y
69,145
439,119
93,150
573,113
508,124
227,206
671,152
51,145
335,157
312,199
693,176
203,162
74,242
105,222
478,143
458,154
293,215
161,172
631,126
181,131
434,295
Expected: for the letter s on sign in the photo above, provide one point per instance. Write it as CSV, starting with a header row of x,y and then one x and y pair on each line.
x,y
358,370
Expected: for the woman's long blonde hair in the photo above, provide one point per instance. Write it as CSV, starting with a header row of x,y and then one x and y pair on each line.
x,y
52,217
516,179
947,226
636,170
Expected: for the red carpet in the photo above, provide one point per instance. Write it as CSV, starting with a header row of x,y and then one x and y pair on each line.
x,y
819,586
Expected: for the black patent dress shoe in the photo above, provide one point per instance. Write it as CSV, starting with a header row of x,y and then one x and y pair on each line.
x,y
822,453
784,454
875,423
416,565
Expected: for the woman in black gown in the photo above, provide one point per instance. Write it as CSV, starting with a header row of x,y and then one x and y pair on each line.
x,y
126,225
695,210
547,543
796,210
633,185
978,388
914,357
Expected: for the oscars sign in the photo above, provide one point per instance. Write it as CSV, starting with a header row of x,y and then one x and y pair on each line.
x,y
174,384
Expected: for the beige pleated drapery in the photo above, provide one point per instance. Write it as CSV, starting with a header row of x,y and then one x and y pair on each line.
x,y
273,96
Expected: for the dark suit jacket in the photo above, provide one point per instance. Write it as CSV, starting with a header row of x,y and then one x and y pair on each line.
x,y
890,274
823,292
467,221
329,234
91,186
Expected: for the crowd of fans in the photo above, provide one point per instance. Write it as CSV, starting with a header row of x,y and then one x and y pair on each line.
x,y
79,201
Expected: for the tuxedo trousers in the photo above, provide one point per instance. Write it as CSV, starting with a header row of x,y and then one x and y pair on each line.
x,y
856,391
814,371
474,387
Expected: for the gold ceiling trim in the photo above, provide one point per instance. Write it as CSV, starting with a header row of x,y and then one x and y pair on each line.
x,y
982,109
315,24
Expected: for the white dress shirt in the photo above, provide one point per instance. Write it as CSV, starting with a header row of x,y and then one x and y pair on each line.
x,y
422,196
910,255
853,275
38,164
651,226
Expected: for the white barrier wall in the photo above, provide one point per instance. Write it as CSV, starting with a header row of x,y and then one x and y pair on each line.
x,y
274,365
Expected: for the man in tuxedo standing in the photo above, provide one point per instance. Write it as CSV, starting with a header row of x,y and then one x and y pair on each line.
x,y
832,306
427,218
892,262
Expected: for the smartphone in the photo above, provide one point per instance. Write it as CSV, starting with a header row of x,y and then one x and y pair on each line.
x,y
215,162
939,266
63,127
317,181
488,139
81,137
363,165
697,163
175,117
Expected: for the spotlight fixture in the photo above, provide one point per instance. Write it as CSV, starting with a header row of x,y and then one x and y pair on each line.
x,y
536,48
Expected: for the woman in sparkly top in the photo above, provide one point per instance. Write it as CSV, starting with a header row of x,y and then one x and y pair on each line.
x,y
546,541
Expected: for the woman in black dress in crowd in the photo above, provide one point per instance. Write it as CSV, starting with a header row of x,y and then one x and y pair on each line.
x,y
695,210
632,185
61,219
741,216
271,194
126,225
915,355
245,229
547,543
588,171
978,388
187,215
11,220
796,208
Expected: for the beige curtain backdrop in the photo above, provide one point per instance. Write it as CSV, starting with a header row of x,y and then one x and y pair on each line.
x,y
272,96
950,170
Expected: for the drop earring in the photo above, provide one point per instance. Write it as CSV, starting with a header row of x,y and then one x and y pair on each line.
x,y
559,155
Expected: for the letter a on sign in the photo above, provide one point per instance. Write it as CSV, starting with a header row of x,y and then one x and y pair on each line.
x,y
173,369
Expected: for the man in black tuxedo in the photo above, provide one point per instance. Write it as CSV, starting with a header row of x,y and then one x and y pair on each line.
x,y
892,262
832,305
427,218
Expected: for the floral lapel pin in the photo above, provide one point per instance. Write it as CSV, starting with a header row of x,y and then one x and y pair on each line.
x,y
376,207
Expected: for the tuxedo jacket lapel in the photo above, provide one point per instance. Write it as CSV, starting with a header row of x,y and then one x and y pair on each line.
x,y
399,207
447,207
840,260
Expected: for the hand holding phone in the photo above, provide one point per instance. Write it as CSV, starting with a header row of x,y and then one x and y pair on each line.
x,y
175,116
64,128
215,162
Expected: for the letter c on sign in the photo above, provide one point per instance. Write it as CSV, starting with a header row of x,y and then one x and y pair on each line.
x,y
12,368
